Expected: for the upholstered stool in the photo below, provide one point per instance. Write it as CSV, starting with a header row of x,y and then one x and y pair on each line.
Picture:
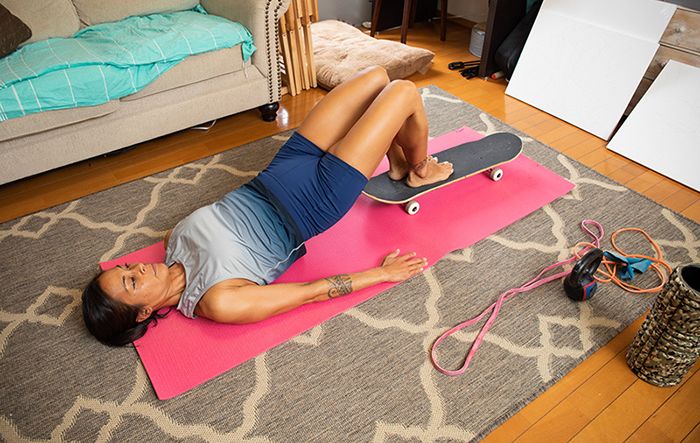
x,y
409,11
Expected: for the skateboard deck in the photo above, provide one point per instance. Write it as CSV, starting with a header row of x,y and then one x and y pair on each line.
x,y
468,159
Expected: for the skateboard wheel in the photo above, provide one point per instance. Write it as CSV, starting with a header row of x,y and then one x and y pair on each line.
x,y
412,207
496,174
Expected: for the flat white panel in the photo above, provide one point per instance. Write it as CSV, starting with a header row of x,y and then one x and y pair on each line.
x,y
645,19
663,130
583,60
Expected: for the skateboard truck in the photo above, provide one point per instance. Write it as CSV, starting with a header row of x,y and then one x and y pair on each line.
x,y
412,206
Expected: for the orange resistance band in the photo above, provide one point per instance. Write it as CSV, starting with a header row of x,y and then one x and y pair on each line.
x,y
663,269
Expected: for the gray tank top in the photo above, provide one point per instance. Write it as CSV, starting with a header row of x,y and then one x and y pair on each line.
x,y
242,235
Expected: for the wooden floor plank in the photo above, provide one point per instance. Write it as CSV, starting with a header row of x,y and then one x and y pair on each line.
x,y
693,436
543,127
571,415
692,211
627,413
521,114
680,200
548,400
557,133
596,156
645,180
622,176
634,168
530,122
662,190
610,165
676,418
571,141
585,147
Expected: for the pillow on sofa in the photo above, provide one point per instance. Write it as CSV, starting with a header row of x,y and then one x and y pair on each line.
x,y
93,12
341,50
46,18
14,32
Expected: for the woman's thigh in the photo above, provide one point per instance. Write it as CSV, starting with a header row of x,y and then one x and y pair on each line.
x,y
316,188
366,143
339,110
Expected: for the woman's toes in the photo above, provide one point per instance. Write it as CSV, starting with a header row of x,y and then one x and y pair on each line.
x,y
448,168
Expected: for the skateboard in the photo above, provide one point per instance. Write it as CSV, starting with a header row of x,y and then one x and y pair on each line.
x,y
468,159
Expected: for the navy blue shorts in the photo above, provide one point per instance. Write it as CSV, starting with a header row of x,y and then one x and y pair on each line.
x,y
315,187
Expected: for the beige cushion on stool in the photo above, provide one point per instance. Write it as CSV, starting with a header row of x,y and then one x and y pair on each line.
x,y
341,50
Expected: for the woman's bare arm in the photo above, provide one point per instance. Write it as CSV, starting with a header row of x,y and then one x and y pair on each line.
x,y
252,303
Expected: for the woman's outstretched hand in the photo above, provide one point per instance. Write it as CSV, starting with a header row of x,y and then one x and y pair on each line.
x,y
397,267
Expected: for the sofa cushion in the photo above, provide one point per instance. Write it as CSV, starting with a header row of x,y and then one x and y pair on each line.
x,y
341,50
194,69
45,121
46,18
14,32
92,12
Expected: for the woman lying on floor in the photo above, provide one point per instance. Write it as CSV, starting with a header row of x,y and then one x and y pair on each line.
x,y
221,258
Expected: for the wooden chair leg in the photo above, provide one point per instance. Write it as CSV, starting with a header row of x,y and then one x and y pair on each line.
x,y
407,5
375,17
414,5
443,20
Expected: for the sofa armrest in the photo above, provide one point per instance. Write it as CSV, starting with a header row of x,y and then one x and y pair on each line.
x,y
261,18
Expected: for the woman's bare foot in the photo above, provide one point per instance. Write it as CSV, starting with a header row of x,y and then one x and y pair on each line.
x,y
398,172
428,171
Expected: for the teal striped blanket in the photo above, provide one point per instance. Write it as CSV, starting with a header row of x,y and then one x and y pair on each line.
x,y
108,61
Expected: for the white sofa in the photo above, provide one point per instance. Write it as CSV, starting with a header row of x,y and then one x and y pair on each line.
x,y
201,88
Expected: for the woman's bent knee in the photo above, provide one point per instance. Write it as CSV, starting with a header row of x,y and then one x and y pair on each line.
x,y
405,87
407,84
375,75
379,75
404,92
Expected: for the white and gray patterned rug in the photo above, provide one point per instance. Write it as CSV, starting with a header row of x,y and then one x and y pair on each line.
x,y
362,376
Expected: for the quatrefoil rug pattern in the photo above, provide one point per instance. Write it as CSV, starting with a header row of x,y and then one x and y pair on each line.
x,y
361,376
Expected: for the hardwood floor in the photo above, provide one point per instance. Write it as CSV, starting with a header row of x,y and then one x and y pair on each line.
x,y
600,400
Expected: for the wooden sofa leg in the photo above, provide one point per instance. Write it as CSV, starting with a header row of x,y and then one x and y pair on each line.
x,y
269,111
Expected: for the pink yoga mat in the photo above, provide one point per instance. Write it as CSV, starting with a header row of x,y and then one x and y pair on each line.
x,y
180,353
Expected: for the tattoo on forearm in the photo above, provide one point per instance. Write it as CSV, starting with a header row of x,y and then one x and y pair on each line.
x,y
340,285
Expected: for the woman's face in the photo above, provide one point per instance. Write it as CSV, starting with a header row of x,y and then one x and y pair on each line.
x,y
144,284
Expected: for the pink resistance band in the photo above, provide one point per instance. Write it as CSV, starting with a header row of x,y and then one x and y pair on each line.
x,y
496,307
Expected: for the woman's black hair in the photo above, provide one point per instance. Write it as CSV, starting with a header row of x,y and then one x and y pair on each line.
x,y
111,321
